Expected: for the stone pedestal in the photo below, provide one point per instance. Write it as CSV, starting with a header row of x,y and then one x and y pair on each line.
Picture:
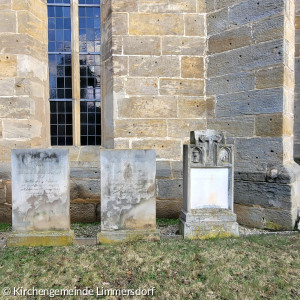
x,y
40,198
128,202
208,187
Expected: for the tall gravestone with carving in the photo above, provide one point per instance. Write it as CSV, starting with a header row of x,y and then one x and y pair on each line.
x,y
40,198
208,187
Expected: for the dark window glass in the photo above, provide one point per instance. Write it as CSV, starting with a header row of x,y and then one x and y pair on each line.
x,y
90,116
89,1
58,1
89,29
60,71
60,79
90,76
59,26
61,123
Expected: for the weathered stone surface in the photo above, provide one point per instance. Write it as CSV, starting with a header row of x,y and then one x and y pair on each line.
x,y
148,107
183,45
237,127
269,29
188,87
225,3
268,78
246,58
26,129
297,22
204,6
169,189
8,65
153,6
177,169
127,190
187,6
147,66
270,195
141,45
40,183
208,223
155,24
163,169
168,208
5,4
191,107
120,65
257,153
7,21
29,66
89,154
181,128
217,21
40,239
85,172
140,86
5,213
37,8
229,40
274,219
121,143
194,24
7,86
269,125
28,23
82,212
84,189
165,149
252,10
211,107
119,24
230,83
192,67
250,103
116,46
141,128
124,6
15,107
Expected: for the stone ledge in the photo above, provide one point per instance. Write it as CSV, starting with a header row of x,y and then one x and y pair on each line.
x,y
109,237
207,224
36,239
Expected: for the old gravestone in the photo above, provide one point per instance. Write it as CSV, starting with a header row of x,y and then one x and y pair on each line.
x,y
40,198
208,187
128,201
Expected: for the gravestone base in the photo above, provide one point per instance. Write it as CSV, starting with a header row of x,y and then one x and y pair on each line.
x,y
119,236
44,238
208,223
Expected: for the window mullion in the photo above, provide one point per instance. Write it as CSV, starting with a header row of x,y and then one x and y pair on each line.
x,y
75,72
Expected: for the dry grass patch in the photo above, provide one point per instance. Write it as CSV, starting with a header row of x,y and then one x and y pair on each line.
x,y
264,267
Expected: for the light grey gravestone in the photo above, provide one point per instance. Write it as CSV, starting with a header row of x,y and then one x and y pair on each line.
x,y
208,166
128,195
40,198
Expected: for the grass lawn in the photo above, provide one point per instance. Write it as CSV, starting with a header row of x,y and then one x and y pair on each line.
x,y
257,267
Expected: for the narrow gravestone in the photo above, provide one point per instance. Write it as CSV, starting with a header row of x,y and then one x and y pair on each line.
x,y
40,198
208,167
128,201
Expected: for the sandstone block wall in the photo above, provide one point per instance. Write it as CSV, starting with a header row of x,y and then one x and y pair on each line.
x,y
250,74
169,67
297,84
154,53
24,112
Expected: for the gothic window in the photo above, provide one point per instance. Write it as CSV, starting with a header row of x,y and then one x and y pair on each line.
x,y
74,72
